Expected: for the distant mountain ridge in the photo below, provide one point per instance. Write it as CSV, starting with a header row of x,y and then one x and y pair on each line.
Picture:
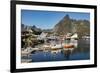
x,y
33,28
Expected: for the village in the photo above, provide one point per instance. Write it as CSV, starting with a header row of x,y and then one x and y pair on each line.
x,y
47,43
67,37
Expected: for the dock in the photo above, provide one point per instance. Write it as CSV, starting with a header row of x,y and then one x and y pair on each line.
x,y
26,60
28,51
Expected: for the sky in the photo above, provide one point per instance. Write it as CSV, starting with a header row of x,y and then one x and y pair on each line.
x,y
48,19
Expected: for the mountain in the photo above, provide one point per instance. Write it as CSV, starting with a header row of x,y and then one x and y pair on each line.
x,y
64,26
68,25
83,28
33,28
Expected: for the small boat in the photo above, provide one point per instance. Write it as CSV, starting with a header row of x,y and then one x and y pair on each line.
x,y
56,46
56,49
68,47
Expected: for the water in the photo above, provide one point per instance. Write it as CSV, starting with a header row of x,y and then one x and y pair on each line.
x,y
80,53
48,56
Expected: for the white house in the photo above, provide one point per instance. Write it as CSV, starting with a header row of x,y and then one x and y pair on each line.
x,y
42,36
73,39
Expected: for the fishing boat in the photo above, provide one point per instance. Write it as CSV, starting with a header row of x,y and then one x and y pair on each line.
x,y
56,48
68,47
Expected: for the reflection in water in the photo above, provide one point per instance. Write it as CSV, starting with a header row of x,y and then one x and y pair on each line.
x,y
67,54
42,57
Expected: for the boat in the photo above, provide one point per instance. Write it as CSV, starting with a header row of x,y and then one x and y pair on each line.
x,y
59,46
56,48
68,47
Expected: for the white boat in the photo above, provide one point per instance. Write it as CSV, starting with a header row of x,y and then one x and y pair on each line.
x,y
59,46
56,48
